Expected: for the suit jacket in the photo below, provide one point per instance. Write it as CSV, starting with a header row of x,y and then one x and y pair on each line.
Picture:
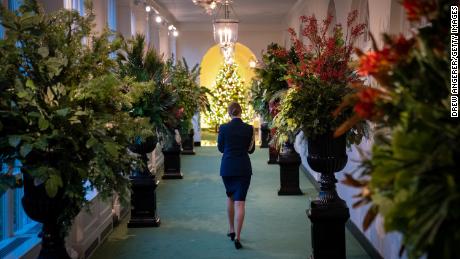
x,y
236,141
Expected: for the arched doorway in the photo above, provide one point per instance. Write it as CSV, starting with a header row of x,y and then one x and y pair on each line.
x,y
213,60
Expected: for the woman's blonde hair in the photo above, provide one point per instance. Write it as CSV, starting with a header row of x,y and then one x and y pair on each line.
x,y
234,109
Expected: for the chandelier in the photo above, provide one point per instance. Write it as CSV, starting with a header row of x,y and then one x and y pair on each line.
x,y
208,5
226,30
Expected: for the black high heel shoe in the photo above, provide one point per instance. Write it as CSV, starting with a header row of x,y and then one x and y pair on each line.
x,y
238,245
231,235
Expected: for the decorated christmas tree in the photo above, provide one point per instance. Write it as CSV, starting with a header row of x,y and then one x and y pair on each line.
x,y
229,87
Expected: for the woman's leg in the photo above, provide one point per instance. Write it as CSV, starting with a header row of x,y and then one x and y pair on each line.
x,y
231,214
239,217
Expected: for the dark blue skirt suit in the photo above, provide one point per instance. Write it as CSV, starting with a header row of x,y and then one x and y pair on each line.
x,y
236,141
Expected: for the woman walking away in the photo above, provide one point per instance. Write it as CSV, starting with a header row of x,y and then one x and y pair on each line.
x,y
236,141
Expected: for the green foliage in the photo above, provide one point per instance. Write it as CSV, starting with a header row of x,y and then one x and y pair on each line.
x,y
62,112
412,178
270,82
191,96
229,88
148,80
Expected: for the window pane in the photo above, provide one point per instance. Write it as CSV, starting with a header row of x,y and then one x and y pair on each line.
x,y
2,216
112,15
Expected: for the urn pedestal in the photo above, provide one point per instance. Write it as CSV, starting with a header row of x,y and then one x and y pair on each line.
x,y
273,154
264,135
172,162
289,161
328,213
143,186
188,144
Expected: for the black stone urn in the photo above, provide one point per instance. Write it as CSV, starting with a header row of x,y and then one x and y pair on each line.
x,y
289,161
143,186
264,135
41,208
172,161
188,144
328,213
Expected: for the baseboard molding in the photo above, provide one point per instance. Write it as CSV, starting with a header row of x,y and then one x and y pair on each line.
x,y
350,225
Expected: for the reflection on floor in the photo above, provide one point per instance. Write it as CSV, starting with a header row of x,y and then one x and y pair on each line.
x,y
194,221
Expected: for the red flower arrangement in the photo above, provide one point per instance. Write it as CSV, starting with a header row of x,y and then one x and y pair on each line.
x,y
379,62
328,55
416,9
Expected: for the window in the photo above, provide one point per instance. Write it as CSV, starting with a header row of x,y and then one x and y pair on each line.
x,y
78,5
13,219
112,14
13,5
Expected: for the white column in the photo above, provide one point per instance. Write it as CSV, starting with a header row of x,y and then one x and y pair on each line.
x,y
124,18
100,11
172,45
139,19
154,33
52,5
164,42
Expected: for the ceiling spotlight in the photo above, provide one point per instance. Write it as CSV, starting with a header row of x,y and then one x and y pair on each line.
x,y
171,27
148,8
213,5
158,19
175,33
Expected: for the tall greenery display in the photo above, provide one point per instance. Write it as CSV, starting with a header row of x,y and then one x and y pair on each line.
x,y
318,81
148,74
412,177
270,83
191,96
229,87
62,111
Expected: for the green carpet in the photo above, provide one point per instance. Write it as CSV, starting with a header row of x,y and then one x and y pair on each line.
x,y
194,221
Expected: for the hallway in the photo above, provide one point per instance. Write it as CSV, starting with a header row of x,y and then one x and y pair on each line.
x,y
194,223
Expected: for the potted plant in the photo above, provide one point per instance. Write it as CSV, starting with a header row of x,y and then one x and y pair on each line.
x,y
62,115
145,71
267,89
317,84
191,98
411,177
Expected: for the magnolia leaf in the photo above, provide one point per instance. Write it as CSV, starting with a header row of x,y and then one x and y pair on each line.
x,y
350,181
63,112
52,185
43,124
369,218
25,149
14,140
91,142
111,147
80,113
49,94
30,84
43,51
22,94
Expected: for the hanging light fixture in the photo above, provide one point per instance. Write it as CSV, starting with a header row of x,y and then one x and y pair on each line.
x,y
208,5
226,30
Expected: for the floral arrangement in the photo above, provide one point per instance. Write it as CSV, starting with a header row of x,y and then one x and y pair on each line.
x,y
319,79
412,177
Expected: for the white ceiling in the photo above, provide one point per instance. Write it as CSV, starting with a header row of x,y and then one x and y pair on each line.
x,y
251,12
